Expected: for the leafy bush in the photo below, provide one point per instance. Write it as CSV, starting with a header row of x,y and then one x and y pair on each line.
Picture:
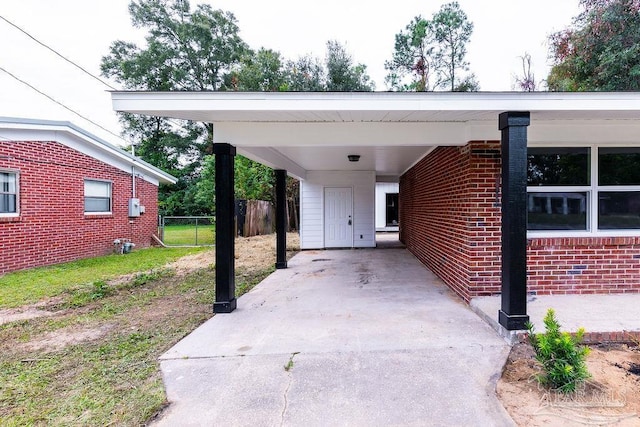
x,y
561,355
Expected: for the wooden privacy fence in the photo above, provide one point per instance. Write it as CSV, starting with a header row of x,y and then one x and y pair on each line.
x,y
258,217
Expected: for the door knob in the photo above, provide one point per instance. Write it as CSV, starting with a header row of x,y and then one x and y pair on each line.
x,y
349,222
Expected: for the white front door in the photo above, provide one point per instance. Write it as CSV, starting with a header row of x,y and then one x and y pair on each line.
x,y
338,218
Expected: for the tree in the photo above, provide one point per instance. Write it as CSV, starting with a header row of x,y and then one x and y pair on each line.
x,y
430,54
253,181
600,50
527,81
199,47
342,74
260,71
306,74
412,57
452,31
338,73
201,50
185,50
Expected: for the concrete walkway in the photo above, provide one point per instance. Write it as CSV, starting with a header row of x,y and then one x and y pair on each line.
x,y
344,337
604,317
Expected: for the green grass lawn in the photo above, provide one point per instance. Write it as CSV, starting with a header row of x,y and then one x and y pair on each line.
x,y
29,286
114,379
113,376
189,235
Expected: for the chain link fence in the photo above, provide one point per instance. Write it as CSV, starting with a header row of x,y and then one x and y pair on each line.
x,y
187,230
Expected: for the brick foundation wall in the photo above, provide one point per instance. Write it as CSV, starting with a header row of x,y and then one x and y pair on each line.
x,y
52,226
596,265
450,220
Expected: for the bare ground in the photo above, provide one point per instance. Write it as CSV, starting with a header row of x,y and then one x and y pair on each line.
x,y
257,252
96,364
254,254
610,397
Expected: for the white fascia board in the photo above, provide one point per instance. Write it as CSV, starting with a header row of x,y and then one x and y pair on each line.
x,y
563,131
180,104
260,134
481,131
67,134
584,132
274,159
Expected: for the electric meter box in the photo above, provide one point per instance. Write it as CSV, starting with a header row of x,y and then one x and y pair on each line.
x,y
134,207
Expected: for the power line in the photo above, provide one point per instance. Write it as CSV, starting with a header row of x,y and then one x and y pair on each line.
x,y
57,53
61,104
81,68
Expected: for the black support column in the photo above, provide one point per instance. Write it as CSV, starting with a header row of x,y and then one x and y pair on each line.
x,y
281,218
513,314
225,229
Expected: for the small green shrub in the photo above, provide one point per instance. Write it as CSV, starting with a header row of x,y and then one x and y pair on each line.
x,y
100,290
561,355
84,295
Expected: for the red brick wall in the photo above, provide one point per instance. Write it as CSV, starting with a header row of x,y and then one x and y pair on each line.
x,y
52,226
583,265
450,220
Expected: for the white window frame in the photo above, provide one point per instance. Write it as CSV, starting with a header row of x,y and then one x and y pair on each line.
x,y
17,212
104,181
592,190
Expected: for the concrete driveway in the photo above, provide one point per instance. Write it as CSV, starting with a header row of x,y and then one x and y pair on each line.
x,y
341,337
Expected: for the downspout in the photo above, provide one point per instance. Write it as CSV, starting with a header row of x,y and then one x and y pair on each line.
x,y
133,188
133,171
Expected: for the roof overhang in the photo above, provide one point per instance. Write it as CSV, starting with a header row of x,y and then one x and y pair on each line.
x,y
301,131
66,133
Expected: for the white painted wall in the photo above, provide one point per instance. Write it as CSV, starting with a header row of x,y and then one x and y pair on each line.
x,y
312,206
382,188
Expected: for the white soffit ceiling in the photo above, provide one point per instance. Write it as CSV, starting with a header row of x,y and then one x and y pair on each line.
x,y
390,130
389,118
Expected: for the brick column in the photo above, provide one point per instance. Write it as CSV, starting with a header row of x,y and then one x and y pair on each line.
x,y
513,313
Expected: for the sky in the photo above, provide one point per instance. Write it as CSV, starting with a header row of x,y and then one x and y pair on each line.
x,y
83,30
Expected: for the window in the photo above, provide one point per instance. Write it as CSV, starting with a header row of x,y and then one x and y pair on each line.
x,y
558,166
589,189
619,188
97,196
558,188
9,205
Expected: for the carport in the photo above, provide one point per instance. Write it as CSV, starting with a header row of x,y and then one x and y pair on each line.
x,y
311,136
340,337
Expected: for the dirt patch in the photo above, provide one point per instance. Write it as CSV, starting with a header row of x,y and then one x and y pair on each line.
x,y
189,263
260,250
257,252
31,311
253,256
61,338
107,348
22,313
251,252
610,397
